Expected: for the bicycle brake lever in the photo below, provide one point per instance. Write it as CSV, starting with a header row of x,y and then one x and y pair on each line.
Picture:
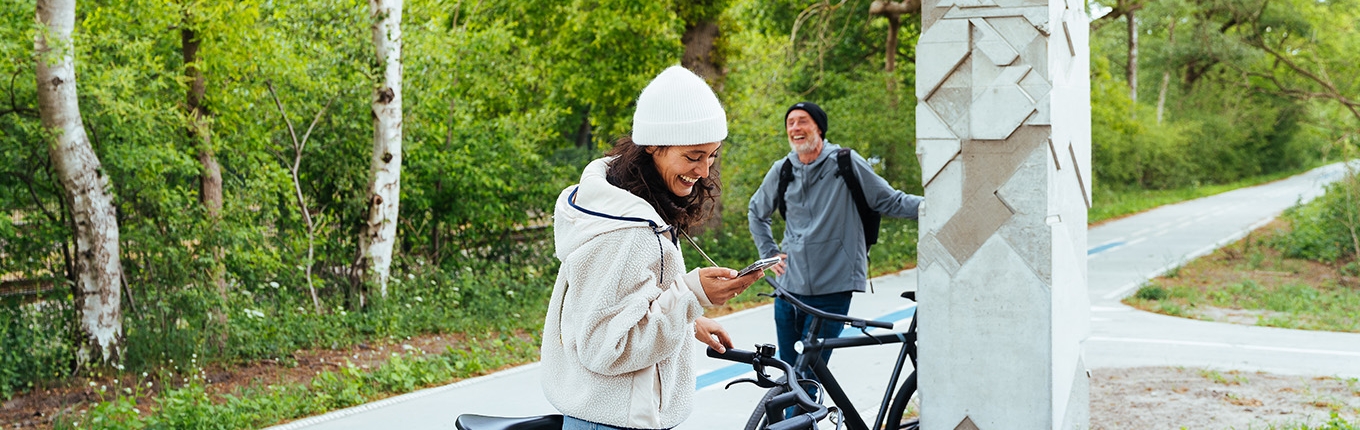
x,y
740,381
865,330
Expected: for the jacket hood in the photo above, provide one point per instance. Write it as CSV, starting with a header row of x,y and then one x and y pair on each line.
x,y
599,207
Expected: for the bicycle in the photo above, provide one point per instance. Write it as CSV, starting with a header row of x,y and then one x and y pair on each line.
x,y
810,363
792,395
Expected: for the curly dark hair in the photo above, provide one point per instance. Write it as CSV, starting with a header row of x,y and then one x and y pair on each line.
x,y
635,171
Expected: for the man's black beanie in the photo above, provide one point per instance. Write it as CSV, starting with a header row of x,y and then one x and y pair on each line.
x,y
818,115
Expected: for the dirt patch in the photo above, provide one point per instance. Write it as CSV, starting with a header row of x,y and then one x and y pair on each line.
x,y
1235,282
1181,398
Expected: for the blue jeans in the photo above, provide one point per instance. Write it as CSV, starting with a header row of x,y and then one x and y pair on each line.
x,y
571,423
792,324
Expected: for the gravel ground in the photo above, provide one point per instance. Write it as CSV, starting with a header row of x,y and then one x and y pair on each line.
x,y
1189,398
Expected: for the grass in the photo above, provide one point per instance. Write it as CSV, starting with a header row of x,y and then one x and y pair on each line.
x,y
1115,202
1251,282
193,405
1233,378
1335,422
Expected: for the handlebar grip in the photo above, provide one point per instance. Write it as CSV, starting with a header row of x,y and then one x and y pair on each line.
x,y
732,354
798,422
879,324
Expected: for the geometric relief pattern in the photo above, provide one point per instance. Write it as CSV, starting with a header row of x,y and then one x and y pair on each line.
x,y
1003,140
966,424
989,57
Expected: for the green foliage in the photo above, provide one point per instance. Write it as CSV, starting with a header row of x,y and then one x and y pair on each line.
x,y
504,102
1151,292
1334,422
1323,229
1213,107
1116,200
190,405
33,345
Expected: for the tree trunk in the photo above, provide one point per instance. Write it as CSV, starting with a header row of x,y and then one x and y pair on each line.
x,y
893,11
700,41
1133,60
890,58
583,132
97,265
1166,76
380,229
210,180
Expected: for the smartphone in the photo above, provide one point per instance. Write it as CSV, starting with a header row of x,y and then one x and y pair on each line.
x,y
759,265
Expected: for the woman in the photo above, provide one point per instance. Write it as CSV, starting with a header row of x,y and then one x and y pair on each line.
x,y
615,350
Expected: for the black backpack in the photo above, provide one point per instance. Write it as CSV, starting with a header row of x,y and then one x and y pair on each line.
x,y
867,216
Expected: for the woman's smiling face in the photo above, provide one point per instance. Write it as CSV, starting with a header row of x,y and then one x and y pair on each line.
x,y
682,166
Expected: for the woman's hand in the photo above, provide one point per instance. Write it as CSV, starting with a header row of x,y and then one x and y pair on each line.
x,y
722,284
712,334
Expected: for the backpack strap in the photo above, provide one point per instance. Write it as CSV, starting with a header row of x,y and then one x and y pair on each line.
x,y
867,216
785,177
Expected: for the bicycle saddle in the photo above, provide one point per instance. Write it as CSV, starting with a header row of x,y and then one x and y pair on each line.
x,y
483,422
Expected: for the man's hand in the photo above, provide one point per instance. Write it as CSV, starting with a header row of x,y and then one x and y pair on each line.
x,y
712,334
722,284
782,266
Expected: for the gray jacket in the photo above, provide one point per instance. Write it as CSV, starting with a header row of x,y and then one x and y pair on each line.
x,y
823,235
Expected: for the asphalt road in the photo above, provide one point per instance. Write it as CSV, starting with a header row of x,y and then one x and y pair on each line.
x,y
1122,255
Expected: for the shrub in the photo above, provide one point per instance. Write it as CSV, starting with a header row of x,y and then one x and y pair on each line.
x,y
1322,229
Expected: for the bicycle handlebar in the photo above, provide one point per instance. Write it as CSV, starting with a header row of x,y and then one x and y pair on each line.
x,y
780,293
808,420
736,355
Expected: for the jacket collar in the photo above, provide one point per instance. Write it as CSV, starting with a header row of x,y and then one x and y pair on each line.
x,y
595,196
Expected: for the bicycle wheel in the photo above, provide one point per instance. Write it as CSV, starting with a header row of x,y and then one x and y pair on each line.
x,y
899,406
757,420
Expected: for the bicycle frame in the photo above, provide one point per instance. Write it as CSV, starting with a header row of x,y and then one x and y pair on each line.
x,y
810,359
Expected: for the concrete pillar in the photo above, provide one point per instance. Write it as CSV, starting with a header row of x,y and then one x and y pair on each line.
x,y
1003,125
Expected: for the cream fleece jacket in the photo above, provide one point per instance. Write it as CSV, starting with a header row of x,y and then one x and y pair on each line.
x,y
618,335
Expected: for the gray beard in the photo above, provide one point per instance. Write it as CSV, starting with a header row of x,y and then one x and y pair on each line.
x,y
806,147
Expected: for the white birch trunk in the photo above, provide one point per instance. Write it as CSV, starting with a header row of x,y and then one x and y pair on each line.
x,y
1133,60
98,269
380,231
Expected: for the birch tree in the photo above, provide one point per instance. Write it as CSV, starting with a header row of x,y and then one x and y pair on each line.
x,y
98,270
384,187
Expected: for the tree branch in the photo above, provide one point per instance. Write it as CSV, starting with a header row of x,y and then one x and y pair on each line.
x,y
1332,91
1120,10
882,7
282,112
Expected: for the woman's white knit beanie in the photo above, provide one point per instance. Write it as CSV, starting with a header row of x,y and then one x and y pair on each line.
x,y
678,108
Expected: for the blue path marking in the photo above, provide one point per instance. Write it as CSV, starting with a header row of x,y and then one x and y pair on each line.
x,y
1103,248
735,370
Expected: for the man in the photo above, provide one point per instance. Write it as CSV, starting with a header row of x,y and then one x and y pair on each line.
x,y
824,253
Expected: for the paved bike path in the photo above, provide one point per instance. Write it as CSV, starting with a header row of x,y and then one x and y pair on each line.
x,y
1126,252
1123,253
